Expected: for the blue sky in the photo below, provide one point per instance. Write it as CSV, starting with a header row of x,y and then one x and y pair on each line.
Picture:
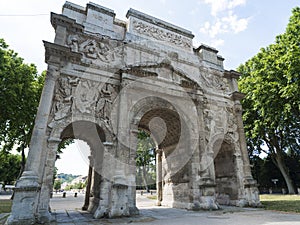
x,y
237,28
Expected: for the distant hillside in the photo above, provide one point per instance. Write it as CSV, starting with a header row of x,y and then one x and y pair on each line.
x,y
66,177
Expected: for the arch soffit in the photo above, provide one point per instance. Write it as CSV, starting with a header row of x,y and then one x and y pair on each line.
x,y
147,104
58,128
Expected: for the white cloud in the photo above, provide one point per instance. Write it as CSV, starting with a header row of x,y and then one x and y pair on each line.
x,y
224,19
236,25
218,6
226,24
234,3
217,42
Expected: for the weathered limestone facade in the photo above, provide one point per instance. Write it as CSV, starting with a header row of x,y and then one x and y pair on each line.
x,y
108,78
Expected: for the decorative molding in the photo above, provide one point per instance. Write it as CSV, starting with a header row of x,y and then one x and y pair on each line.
x,y
63,53
70,24
160,23
27,189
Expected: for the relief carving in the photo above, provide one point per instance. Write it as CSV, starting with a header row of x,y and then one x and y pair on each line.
x,y
215,82
85,96
161,35
220,126
105,100
82,96
103,50
62,99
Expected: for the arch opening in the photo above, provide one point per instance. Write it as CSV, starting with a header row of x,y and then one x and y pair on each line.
x,y
165,125
89,138
225,175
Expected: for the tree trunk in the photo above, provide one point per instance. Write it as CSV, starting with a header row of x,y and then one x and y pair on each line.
x,y
145,179
285,173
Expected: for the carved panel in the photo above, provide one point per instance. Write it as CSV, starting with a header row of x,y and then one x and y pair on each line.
x,y
98,50
161,35
82,96
215,82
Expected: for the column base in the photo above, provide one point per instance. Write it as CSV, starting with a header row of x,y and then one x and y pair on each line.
x,y
252,193
134,211
207,200
24,208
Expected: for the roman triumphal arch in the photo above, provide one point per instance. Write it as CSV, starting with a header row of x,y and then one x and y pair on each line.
x,y
107,79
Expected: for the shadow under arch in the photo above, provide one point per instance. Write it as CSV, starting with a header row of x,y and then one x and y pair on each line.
x,y
226,173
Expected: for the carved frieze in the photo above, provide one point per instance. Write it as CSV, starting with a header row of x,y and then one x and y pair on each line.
x,y
78,96
96,50
215,81
160,34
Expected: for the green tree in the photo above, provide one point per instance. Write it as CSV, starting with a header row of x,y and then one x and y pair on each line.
x,y
145,159
21,88
9,167
79,185
57,185
271,82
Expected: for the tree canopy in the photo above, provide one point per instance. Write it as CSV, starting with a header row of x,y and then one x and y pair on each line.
x,y
21,88
9,167
271,82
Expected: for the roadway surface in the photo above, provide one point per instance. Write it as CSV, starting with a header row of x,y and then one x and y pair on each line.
x,y
66,211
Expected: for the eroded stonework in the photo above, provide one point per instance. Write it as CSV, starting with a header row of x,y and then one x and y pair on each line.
x,y
109,78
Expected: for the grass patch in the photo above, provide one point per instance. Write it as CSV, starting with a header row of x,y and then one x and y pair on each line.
x,y
5,205
152,197
284,203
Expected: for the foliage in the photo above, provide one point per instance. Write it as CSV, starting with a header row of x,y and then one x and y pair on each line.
x,y
79,185
57,184
21,88
62,145
271,82
285,203
10,165
66,177
264,171
145,160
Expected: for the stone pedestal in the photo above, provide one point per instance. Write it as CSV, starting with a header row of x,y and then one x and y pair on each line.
x,y
119,198
25,200
252,193
207,195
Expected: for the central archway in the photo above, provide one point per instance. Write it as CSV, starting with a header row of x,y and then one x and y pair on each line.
x,y
168,128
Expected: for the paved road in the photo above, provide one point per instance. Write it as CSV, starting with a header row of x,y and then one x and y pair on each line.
x,y
66,212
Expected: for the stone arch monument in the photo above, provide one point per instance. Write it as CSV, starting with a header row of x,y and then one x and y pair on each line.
x,y
108,78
